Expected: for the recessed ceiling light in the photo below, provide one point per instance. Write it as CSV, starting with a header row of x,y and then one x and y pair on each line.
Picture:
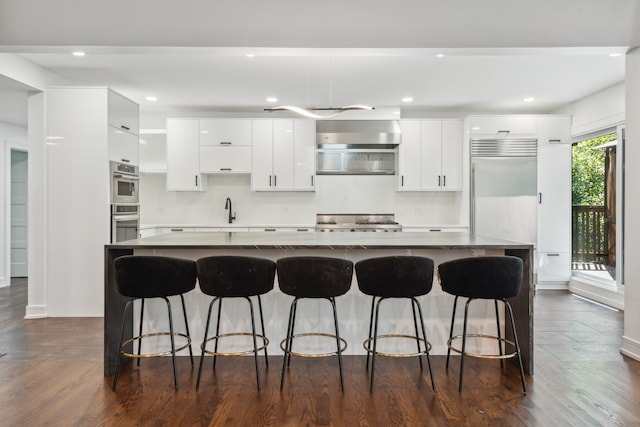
x,y
475,128
407,99
613,55
78,53
204,131
151,98
440,55
272,99
250,55
529,99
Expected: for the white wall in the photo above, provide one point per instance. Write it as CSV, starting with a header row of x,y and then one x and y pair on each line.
x,y
10,137
600,110
631,337
334,194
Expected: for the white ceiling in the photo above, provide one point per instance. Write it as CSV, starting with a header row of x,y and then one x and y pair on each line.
x,y
318,54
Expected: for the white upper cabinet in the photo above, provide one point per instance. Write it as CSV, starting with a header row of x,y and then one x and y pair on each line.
x,y
183,155
430,155
283,157
225,132
225,145
123,122
123,113
554,129
503,126
123,146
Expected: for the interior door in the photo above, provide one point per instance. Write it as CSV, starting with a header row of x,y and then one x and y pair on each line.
x,y
18,213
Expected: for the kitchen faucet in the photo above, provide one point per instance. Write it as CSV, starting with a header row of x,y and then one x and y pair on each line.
x,y
227,205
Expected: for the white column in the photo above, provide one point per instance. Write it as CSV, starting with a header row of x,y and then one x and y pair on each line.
x,y
631,337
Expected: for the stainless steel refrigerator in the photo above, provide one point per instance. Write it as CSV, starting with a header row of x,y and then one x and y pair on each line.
x,y
504,193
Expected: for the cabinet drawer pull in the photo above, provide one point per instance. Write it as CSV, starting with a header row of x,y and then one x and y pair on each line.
x,y
302,229
125,160
177,229
225,169
269,229
555,141
553,254
125,127
225,142
435,229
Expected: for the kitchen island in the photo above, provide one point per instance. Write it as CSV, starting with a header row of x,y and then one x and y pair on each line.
x,y
353,308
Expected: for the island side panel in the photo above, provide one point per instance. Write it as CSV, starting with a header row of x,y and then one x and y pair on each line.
x,y
522,306
114,304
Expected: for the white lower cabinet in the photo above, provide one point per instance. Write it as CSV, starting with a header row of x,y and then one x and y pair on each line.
x,y
554,267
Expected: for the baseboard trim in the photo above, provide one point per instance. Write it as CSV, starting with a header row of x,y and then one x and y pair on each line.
x,y
612,297
3,282
36,312
552,286
630,348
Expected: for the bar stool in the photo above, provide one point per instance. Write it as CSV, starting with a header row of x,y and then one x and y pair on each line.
x,y
488,277
142,277
395,277
313,277
235,277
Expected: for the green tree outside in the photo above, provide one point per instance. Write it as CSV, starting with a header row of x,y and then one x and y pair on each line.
x,y
587,171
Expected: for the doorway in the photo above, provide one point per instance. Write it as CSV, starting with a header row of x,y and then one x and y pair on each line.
x,y
594,193
19,173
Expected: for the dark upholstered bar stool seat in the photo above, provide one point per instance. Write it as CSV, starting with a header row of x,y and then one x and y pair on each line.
x,y
396,277
313,277
235,277
142,277
489,277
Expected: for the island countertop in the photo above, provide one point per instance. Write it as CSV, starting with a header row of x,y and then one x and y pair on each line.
x,y
350,240
440,246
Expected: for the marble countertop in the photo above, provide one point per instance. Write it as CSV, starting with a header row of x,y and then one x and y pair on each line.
x,y
293,240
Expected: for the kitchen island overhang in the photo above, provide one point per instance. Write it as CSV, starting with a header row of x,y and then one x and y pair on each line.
x,y
354,308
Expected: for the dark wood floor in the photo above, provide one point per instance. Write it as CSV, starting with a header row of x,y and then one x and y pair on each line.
x,y
52,375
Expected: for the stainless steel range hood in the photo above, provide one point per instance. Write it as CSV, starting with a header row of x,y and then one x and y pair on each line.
x,y
385,133
357,147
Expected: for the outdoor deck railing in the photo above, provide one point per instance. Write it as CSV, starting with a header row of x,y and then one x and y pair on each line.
x,y
589,234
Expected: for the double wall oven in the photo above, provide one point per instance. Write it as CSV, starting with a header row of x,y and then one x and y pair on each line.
x,y
125,201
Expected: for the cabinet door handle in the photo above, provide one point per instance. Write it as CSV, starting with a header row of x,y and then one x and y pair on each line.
x,y
225,142
275,180
196,180
539,198
553,254
312,180
439,181
444,180
125,127
269,180
225,169
126,160
555,141
402,181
